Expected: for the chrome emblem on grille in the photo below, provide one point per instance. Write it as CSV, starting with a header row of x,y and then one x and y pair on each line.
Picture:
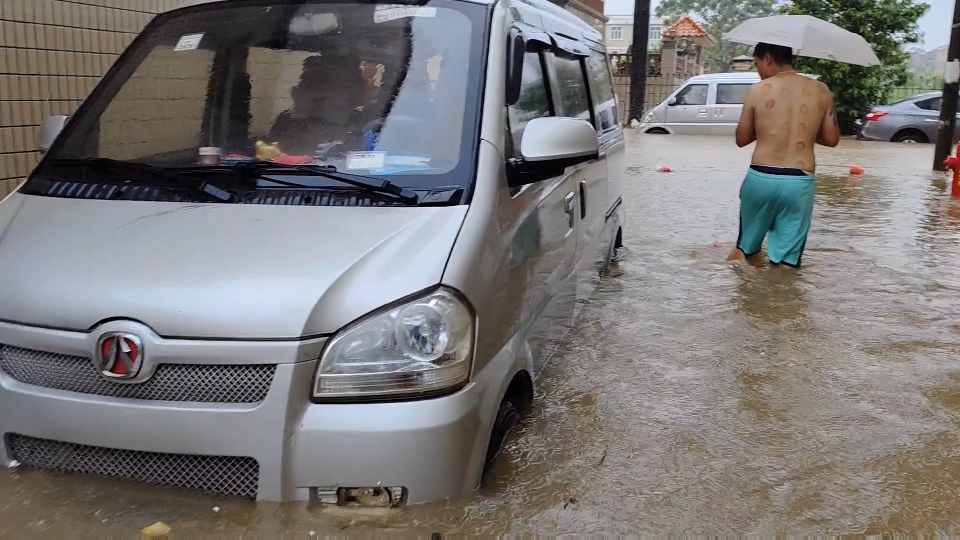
x,y
119,355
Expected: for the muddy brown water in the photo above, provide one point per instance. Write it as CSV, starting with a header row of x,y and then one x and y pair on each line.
x,y
694,395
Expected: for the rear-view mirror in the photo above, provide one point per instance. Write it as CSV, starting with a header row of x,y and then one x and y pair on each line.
x,y
550,145
49,131
672,101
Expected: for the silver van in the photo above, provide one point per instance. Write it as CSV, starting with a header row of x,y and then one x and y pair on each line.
x,y
309,250
703,105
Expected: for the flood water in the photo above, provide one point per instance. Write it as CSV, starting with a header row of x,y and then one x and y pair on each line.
x,y
694,395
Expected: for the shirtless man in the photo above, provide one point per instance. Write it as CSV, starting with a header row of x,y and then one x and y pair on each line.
x,y
786,114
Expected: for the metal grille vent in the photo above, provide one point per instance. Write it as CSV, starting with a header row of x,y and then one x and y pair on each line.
x,y
193,383
238,476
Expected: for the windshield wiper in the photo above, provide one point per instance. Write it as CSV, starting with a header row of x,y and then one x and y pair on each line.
x,y
127,168
264,168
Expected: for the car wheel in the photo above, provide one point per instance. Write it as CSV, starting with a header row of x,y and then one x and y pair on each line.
x,y
909,137
507,418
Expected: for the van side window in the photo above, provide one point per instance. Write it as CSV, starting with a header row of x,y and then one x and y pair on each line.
x,y
534,101
571,87
732,94
599,72
694,94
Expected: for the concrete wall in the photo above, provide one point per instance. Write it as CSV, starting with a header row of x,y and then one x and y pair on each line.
x,y
52,53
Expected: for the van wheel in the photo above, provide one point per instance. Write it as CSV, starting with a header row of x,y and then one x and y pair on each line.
x,y
910,136
657,131
507,418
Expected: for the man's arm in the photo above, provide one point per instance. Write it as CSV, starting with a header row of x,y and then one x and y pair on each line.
x,y
746,129
829,134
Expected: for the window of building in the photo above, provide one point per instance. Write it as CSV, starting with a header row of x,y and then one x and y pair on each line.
x,y
616,33
654,32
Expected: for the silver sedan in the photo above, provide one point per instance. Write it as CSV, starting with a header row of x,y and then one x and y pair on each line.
x,y
911,120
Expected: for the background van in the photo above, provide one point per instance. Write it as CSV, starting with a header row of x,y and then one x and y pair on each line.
x,y
704,105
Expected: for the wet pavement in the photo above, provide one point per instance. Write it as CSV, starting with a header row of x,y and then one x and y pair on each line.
x,y
694,395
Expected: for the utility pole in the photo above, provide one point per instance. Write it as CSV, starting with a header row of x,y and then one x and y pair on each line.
x,y
948,105
638,65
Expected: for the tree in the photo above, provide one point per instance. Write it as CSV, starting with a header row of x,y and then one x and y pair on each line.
x,y
718,17
888,25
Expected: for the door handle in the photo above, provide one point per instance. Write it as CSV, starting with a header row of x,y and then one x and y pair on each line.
x,y
569,205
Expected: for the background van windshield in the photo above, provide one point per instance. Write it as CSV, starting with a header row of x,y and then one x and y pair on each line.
x,y
370,89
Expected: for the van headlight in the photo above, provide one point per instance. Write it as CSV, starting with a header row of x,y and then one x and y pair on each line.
x,y
419,348
647,117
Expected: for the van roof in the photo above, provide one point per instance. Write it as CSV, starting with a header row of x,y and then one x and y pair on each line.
x,y
539,13
740,76
552,18
737,76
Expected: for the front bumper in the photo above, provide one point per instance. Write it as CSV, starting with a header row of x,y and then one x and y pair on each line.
x,y
283,447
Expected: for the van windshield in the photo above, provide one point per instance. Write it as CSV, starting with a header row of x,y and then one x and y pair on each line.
x,y
367,89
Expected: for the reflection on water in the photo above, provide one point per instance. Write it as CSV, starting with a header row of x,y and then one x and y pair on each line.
x,y
693,395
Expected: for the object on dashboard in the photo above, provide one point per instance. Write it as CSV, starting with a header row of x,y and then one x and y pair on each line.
x,y
210,155
267,152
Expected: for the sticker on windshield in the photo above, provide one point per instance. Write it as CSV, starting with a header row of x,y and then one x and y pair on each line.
x,y
366,160
189,42
392,12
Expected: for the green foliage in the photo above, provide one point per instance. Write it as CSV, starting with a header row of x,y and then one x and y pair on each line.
x,y
888,25
925,80
718,17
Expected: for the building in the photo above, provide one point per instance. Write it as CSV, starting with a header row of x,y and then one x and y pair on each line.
x,y
619,34
683,43
52,53
590,11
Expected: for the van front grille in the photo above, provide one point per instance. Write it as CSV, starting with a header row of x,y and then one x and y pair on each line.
x,y
195,383
227,475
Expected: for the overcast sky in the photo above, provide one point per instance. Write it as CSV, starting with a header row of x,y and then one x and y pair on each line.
x,y
935,24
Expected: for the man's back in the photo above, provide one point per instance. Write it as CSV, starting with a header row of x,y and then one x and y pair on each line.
x,y
790,112
786,114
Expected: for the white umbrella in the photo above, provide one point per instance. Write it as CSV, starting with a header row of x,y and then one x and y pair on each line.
x,y
807,36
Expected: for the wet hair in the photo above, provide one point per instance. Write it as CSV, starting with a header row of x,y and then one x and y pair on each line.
x,y
780,55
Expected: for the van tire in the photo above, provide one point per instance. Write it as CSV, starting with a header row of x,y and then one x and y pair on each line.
x,y
657,131
910,136
507,418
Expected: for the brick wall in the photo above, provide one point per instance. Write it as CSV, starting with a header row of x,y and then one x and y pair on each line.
x,y
52,53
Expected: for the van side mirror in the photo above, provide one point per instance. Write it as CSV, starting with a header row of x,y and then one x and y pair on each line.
x,y
672,101
49,131
550,145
